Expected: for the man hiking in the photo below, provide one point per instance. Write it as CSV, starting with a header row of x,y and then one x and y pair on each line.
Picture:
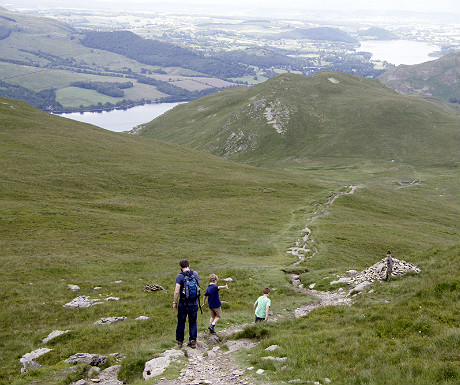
x,y
389,264
186,296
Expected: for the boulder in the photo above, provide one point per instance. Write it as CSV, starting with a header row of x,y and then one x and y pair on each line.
x,y
81,301
109,320
119,357
54,334
73,287
109,376
90,359
156,366
277,359
27,360
362,286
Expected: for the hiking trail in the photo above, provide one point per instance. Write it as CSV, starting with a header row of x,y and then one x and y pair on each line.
x,y
212,362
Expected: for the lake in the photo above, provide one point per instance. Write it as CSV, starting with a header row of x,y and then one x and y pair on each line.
x,y
122,120
399,51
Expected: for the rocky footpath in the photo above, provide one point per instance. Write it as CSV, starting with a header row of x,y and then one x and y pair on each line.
x,y
210,364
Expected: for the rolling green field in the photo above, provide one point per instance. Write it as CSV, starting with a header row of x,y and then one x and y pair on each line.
x,y
41,54
81,205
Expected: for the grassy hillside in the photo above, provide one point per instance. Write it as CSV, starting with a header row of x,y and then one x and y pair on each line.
x,y
438,78
81,205
333,117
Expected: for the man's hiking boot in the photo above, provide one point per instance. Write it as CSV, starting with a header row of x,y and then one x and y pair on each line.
x,y
211,329
192,344
179,344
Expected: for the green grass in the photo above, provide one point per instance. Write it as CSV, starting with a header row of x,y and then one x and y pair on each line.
x,y
351,122
86,206
406,332
81,205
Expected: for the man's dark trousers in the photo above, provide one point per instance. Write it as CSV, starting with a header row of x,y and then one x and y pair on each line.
x,y
184,311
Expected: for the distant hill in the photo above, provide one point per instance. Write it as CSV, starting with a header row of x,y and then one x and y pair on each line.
x,y
438,78
320,33
39,54
376,33
329,115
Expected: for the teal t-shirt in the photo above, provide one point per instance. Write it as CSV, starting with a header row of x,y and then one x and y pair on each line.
x,y
262,303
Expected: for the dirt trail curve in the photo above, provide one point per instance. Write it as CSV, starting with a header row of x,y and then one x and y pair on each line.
x,y
210,364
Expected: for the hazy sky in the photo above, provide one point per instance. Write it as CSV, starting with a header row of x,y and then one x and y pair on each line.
x,y
254,7
406,5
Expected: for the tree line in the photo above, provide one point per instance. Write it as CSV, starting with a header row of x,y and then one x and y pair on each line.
x,y
158,53
114,89
44,100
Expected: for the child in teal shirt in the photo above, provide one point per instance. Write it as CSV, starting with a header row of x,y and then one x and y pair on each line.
x,y
262,306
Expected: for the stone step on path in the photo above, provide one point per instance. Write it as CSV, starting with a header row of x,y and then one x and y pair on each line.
x,y
210,364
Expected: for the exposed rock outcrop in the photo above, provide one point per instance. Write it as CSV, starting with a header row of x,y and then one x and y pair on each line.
x,y
28,359
54,334
87,358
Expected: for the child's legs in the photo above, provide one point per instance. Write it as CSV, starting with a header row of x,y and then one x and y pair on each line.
x,y
217,314
213,316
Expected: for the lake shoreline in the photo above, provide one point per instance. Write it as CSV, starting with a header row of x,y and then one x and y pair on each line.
x,y
121,119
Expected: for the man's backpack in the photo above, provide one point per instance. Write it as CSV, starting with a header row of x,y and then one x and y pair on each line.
x,y
190,288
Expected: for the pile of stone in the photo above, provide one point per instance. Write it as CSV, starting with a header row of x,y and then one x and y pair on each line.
x,y
152,287
377,272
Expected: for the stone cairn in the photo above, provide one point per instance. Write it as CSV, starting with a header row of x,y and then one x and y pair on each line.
x,y
152,287
377,272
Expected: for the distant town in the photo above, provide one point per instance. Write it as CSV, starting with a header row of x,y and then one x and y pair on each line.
x,y
222,34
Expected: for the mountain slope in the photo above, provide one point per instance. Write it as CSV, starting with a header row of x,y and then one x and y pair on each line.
x,y
319,33
328,115
376,33
439,78
84,206
87,206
